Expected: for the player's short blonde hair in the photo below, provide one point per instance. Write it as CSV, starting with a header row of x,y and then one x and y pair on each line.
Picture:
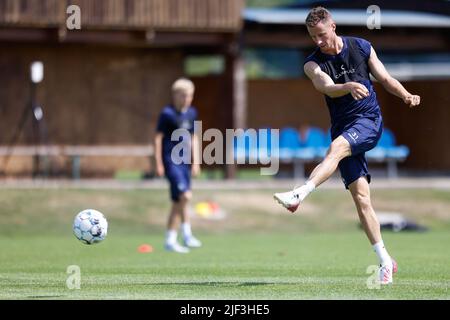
x,y
184,85
316,15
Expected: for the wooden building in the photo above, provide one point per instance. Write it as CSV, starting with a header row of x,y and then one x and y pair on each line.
x,y
105,84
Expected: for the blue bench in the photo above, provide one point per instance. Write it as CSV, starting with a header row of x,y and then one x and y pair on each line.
x,y
314,146
294,149
388,151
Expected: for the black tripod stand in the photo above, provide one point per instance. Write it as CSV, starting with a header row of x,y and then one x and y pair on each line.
x,y
39,137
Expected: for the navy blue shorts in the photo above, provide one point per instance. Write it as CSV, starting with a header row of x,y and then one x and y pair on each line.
x,y
179,177
363,135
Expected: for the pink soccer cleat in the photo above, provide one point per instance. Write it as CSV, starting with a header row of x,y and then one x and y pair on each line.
x,y
386,272
394,266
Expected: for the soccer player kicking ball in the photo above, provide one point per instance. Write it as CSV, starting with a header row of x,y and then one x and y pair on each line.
x,y
179,115
339,68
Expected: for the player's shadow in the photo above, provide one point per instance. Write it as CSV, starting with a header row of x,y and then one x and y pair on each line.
x,y
217,283
45,296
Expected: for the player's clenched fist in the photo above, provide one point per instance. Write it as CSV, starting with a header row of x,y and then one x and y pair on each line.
x,y
412,100
357,90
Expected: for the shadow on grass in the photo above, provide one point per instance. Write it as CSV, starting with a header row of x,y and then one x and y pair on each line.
x,y
45,296
214,283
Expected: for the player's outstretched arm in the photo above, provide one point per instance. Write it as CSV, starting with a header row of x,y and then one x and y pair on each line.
x,y
324,84
389,83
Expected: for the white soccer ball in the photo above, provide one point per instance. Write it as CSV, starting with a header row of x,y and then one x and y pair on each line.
x,y
90,226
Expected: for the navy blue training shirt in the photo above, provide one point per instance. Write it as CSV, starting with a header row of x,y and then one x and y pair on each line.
x,y
351,64
169,120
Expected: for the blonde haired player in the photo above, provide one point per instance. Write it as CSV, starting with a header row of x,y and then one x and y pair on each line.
x,y
178,115
339,68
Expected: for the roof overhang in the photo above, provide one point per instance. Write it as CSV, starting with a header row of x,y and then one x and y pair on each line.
x,y
349,17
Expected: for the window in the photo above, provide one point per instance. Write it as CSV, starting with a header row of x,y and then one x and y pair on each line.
x,y
273,63
203,65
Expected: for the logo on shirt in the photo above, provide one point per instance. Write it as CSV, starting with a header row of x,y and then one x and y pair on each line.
x,y
181,186
353,135
343,72
185,124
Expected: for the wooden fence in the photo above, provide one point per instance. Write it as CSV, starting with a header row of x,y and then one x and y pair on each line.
x,y
195,15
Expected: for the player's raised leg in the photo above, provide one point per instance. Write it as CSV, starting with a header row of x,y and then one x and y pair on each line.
x,y
361,196
339,149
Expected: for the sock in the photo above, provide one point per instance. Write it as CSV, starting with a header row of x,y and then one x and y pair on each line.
x,y
305,189
382,253
171,236
186,229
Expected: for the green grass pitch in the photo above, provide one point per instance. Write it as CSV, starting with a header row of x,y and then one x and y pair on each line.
x,y
258,252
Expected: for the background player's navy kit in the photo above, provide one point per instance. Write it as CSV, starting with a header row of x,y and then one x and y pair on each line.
x,y
179,175
358,121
